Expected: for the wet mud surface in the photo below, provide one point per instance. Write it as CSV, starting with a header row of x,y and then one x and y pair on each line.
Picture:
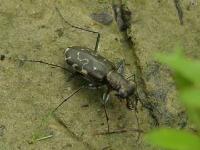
x,y
30,91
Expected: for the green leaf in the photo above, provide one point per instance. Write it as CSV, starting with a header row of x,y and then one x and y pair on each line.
x,y
182,82
194,115
191,97
174,139
189,69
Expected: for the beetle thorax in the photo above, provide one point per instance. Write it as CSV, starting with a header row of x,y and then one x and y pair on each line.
x,y
118,83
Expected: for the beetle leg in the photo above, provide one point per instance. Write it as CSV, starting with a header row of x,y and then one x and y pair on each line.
x,y
73,26
107,118
130,77
105,99
129,104
120,65
132,104
106,96
72,94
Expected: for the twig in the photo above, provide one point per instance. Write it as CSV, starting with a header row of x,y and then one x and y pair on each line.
x,y
120,131
44,138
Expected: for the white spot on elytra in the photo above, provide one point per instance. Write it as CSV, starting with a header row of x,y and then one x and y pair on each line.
x,y
74,65
84,60
94,68
67,50
67,58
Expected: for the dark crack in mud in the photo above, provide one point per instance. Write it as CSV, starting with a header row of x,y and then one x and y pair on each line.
x,y
123,18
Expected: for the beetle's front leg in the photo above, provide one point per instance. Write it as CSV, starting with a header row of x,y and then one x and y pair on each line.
x,y
132,103
120,65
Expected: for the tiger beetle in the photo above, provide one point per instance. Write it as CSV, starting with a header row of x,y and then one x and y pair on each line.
x,y
98,70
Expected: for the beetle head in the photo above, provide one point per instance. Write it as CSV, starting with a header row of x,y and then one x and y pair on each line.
x,y
122,86
126,89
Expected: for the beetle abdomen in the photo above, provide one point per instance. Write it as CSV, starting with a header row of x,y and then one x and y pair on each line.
x,y
88,63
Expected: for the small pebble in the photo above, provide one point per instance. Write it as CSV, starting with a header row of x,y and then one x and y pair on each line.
x,y
2,57
85,105
192,4
103,18
60,32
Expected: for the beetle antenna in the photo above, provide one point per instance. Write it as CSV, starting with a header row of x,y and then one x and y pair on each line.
x,y
72,94
41,62
73,26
